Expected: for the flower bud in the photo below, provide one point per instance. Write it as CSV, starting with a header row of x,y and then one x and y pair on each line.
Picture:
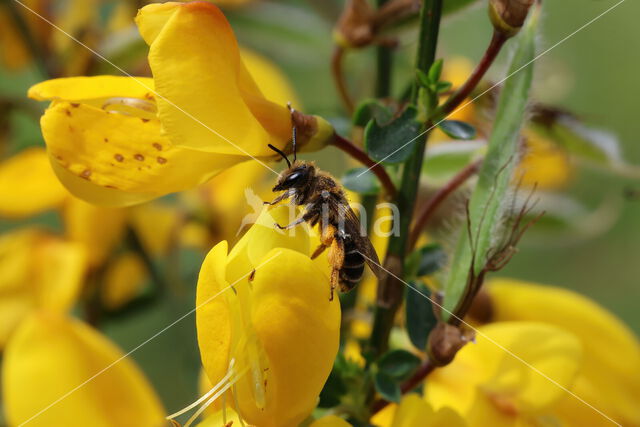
x,y
354,28
445,341
508,16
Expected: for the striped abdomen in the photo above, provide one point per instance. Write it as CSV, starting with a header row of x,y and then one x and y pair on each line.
x,y
352,268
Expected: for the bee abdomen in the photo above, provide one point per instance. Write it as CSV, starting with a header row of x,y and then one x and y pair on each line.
x,y
352,269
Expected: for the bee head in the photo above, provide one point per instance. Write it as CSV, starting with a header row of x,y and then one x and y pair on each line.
x,y
297,176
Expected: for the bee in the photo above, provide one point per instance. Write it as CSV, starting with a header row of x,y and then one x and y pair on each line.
x,y
326,204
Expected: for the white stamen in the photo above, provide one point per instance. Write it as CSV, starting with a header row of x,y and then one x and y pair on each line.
x,y
222,382
213,398
234,393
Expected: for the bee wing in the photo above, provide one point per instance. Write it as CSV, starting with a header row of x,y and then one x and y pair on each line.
x,y
358,234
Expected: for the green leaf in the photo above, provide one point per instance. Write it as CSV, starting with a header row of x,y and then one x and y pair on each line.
x,y
333,391
487,203
388,388
426,260
423,78
398,364
457,129
393,142
371,109
419,316
436,71
442,87
361,180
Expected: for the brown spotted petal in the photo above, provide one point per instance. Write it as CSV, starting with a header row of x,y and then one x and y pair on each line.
x,y
112,158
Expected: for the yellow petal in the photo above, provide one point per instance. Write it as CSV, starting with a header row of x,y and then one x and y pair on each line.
x,y
50,355
297,356
330,421
610,378
60,268
208,100
38,270
114,151
234,198
220,419
489,385
28,185
456,70
17,294
269,78
96,89
213,317
123,280
413,411
98,229
263,236
156,225
300,354
544,164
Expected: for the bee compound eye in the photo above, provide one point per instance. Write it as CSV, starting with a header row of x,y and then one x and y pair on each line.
x,y
293,177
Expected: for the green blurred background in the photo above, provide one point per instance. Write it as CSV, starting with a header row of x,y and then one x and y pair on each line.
x,y
593,73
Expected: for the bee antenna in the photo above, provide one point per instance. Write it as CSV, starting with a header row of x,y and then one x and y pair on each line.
x,y
294,131
284,156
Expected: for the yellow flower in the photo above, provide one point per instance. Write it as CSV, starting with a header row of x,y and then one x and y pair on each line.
x,y
267,339
413,412
456,70
123,280
544,164
44,378
14,53
488,386
610,375
120,140
98,229
38,271
28,185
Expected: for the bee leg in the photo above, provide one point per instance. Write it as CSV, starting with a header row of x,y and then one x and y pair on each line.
x,y
293,224
318,251
278,199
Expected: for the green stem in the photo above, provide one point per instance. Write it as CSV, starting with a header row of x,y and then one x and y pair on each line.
x,y
391,290
384,62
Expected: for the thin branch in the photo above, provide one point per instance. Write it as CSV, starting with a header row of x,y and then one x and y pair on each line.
x,y
338,78
427,210
497,41
358,154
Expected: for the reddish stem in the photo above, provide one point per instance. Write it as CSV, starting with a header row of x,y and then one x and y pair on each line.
x,y
338,78
358,154
497,41
427,210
